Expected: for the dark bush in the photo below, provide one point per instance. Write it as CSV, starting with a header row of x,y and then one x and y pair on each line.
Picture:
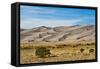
x,y
91,50
42,52
81,50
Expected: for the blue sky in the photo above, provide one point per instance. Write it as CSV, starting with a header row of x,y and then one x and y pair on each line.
x,y
35,16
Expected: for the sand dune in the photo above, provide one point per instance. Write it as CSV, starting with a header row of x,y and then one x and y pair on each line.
x,y
62,33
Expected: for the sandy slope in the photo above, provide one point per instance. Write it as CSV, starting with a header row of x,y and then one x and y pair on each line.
x,y
62,33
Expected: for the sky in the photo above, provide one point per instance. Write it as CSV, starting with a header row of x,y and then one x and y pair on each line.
x,y
35,16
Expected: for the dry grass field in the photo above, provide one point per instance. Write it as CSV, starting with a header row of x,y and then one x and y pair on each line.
x,y
60,51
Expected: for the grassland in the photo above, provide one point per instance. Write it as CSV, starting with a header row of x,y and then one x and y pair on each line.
x,y
60,51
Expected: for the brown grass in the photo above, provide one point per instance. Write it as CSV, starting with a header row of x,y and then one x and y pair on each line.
x,y
60,52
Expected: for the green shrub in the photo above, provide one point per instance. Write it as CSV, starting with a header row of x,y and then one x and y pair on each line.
x,y
42,52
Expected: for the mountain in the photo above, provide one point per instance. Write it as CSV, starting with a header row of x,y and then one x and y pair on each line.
x,y
61,33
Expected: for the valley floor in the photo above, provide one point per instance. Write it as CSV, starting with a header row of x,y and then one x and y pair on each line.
x,y
59,52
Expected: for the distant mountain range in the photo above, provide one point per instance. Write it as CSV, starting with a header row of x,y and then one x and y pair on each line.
x,y
61,33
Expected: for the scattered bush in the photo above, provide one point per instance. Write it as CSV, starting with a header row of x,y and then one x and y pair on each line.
x,y
42,52
91,50
62,45
81,50
90,44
